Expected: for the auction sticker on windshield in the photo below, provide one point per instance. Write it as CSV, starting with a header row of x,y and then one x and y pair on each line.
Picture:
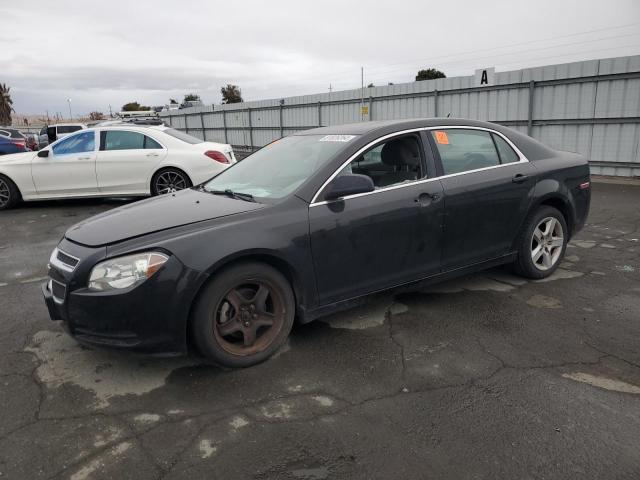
x,y
337,138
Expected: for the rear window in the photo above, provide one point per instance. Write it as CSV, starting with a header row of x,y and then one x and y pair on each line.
x,y
68,128
11,133
182,136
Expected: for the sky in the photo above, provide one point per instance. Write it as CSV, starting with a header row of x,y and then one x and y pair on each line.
x,y
109,53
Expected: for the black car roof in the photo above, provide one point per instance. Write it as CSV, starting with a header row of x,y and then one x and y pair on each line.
x,y
532,149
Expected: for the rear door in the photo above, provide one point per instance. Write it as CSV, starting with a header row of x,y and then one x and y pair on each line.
x,y
488,187
70,168
126,160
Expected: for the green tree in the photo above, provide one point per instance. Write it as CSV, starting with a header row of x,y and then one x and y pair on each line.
x,y
134,107
96,116
172,100
231,94
190,97
371,85
6,105
429,74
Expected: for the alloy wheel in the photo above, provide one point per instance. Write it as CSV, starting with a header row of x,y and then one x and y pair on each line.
x,y
547,243
249,317
170,182
5,193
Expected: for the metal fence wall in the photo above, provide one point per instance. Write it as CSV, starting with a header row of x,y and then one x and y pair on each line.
x,y
590,107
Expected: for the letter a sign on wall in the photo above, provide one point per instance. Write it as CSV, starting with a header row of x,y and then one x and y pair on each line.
x,y
485,77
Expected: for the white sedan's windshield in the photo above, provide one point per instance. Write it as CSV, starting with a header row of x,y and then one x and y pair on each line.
x,y
279,168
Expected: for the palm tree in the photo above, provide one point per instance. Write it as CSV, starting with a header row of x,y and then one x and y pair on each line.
x,y
6,105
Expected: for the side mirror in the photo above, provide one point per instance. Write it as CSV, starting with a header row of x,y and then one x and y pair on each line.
x,y
349,185
43,153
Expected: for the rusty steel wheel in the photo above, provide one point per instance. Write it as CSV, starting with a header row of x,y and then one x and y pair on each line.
x,y
249,317
244,315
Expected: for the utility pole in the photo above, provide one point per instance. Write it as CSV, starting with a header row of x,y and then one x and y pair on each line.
x,y
110,112
361,94
70,115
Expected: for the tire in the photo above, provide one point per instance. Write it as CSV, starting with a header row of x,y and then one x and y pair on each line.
x,y
9,193
169,180
233,305
545,228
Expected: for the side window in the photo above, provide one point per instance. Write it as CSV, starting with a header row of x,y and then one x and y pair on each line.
x,y
43,131
396,161
463,150
151,143
80,143
121,140
507,154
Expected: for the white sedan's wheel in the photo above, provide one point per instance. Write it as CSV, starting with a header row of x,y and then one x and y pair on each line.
x,y
169,181
9,193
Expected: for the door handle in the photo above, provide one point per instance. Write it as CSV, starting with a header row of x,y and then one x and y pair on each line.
x,y
152,154
519,178
423,197
84,158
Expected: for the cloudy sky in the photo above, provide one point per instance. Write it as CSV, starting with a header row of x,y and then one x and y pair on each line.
x,y
108,53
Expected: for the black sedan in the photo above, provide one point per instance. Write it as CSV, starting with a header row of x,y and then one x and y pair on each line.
x,y
307,225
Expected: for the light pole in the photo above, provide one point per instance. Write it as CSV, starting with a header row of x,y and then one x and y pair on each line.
x,y
70,116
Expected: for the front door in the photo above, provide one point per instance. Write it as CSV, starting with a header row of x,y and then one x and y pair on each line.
x,y
70,168
380,239
487,188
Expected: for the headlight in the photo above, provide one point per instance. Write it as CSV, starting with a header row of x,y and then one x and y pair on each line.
x,y
124,272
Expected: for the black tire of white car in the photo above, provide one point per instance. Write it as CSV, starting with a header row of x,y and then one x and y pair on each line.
x,y
9,193
176,180
543,237
228,322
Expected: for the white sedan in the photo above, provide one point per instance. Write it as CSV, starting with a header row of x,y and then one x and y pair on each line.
x,y
116,160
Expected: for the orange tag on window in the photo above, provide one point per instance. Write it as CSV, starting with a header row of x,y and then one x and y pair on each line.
x,y
441,137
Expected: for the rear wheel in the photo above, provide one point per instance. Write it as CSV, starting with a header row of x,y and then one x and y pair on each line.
x,y
244,315
542,243
9,193
169,180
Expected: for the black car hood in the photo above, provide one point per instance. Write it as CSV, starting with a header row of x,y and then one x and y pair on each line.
x,y
155,214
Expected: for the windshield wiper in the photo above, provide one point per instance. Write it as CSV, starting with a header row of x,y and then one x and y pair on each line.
x,y
247,197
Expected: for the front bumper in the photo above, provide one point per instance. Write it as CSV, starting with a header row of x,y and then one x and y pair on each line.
x,y
150,318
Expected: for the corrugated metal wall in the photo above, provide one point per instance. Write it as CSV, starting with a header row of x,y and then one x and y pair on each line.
x,y
590,107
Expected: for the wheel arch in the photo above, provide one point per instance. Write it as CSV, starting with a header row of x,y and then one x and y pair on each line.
x,y
267,257
555,200
562,205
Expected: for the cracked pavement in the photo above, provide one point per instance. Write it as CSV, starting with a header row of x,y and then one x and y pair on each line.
x,y
487,376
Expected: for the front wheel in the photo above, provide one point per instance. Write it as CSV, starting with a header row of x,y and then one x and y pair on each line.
x,y
169,180
542,244
243,315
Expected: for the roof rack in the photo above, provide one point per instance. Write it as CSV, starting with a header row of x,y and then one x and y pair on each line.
x,y
132,121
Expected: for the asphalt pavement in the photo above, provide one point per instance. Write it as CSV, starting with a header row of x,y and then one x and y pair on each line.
x,y
486,377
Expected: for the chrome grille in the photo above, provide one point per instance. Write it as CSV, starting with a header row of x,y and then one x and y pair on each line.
x,y
63,260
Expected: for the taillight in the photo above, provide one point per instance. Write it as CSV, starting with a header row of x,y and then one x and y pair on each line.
x,y
585,185
20,143
217,156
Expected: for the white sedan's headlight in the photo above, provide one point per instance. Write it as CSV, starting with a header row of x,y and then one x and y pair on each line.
x,y
124,272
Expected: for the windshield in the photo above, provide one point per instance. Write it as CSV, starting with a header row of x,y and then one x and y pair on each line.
x,y
279,168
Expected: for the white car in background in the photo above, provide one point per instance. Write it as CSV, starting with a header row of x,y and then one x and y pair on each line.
x,y
115,160
51,133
